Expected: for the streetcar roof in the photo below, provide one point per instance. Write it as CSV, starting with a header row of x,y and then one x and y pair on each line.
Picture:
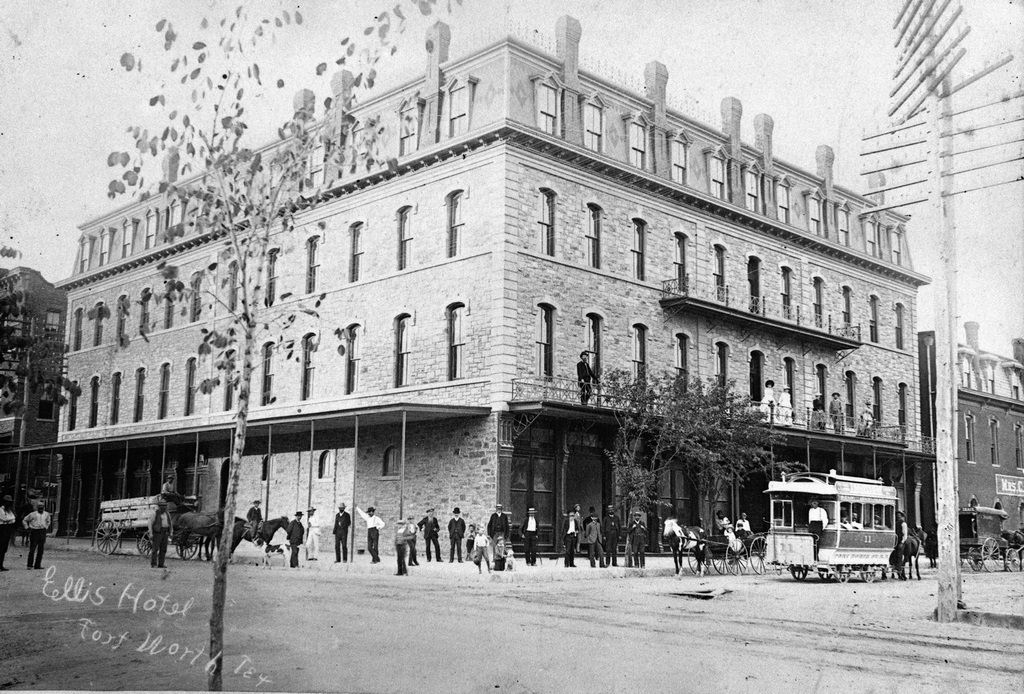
x,y
801,487
830,484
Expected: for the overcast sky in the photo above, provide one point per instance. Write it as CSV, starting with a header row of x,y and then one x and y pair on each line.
x,y
821,69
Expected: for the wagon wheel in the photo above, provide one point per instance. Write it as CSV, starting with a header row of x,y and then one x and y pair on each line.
x,y
975,559
187,546
1011,559
718,561
989,554
758,548
144,544
736,560
799,572
691,561
108,536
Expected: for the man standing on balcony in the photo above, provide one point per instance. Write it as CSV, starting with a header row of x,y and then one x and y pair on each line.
x,y
866,422
586,377
835,413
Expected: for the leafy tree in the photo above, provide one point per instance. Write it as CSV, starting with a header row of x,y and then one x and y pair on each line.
x,y
239,195
708,431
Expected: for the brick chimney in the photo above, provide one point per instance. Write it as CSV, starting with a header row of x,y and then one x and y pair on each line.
x,y
824,157
567,49
171,164
1018,349
732,115
304,104
971,329
655,81
341,91
438,41
763,127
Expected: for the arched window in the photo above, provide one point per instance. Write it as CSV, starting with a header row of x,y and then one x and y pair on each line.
x,y
456,341
873,320
901,413
101,313
94,401
789,368
306,385
312,263
680,262
195,311
165,388
73,406
454,209
115,398
391,463
232,282
819,302
267,380
144,298
969,436
754,284
545,341
272,277
594,236
876,391
265,468
683,358
851,393
993,440
190,387
355,256
594,326
352,346
404,238
847,306
639,249
168,305
322,464
76,341
639,351
546,222
787,293
821,375
402,349
120,334
229,380
719,274
721,364
899,326
151,224
756,376
140,394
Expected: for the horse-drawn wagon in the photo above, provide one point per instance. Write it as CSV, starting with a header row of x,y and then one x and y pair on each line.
x,y
856,540
120,518
983,544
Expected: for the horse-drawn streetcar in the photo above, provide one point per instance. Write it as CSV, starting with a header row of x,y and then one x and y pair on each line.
x,y
854,536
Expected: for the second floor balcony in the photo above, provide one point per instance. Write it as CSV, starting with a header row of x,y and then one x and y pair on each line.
x,y
780,315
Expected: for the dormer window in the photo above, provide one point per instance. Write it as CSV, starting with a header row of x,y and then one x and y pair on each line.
x,y
752,187
548,108
593,126
782,201
458,110
151,225
814,214
896,246
871,245
83,255
716,176
637,145
128,236
104,247
677,152
408,139
844,226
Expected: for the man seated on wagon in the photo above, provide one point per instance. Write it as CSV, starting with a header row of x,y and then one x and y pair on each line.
x,y
169,493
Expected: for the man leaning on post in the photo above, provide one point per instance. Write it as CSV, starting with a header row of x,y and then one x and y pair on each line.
x,y
160,528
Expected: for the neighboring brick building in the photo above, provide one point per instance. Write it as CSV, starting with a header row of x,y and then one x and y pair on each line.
x,y
30,403
536,210
990,422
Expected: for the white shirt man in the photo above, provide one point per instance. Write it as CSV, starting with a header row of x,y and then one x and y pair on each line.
x,y
312,535
817,514
743,524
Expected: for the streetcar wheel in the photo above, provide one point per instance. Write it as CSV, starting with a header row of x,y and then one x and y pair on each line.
x,y
868,576
989,554
844,576
107,535
144,544
799,572
757,551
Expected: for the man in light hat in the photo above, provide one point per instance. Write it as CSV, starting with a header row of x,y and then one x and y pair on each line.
x,y
835,412
160,528
312,535
431,530
342,523
7,519
867,420
405,532
529,530
610,529
374,525
38,524
637,531
295,536
456,531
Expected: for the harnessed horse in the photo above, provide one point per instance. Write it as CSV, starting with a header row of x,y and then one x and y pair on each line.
x,y
260,535
687,538
908,552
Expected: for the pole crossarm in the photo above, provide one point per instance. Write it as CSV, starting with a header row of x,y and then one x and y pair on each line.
x,y
975,128
988,69
951,153
894,167
894,147
935,38
894,205
906,5
979,167
933,85
919,20
931,48
897,186
988,185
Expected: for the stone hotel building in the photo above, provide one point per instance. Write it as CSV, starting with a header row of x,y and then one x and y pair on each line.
x,y
538,209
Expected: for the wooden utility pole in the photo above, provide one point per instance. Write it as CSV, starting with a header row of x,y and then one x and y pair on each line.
x,y
946,493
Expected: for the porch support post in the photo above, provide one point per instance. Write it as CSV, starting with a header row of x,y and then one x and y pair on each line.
x,y
355,466
874,462
195,469
401,484
309,492
842,457
97,483
807,441
270,464
163,460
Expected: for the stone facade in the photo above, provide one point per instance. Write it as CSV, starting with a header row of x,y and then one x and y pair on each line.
x,y
535,125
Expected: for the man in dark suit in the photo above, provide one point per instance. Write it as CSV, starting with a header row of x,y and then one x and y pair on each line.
x,y
610,529
342,523
456,531
431,529
571,529
637,532
529,531
586,377
497,525
295,535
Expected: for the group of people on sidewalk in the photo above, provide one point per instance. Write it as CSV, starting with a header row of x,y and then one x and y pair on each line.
x,y
36,523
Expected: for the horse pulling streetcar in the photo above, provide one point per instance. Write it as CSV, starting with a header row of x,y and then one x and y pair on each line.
x,y
856,540
130,517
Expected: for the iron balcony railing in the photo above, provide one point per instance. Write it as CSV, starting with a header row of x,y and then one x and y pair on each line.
x,y
780,309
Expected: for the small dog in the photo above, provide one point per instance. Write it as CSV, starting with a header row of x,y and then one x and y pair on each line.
x,y
510,561
273,551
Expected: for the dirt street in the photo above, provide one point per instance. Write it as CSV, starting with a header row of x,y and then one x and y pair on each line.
x,y
94,622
